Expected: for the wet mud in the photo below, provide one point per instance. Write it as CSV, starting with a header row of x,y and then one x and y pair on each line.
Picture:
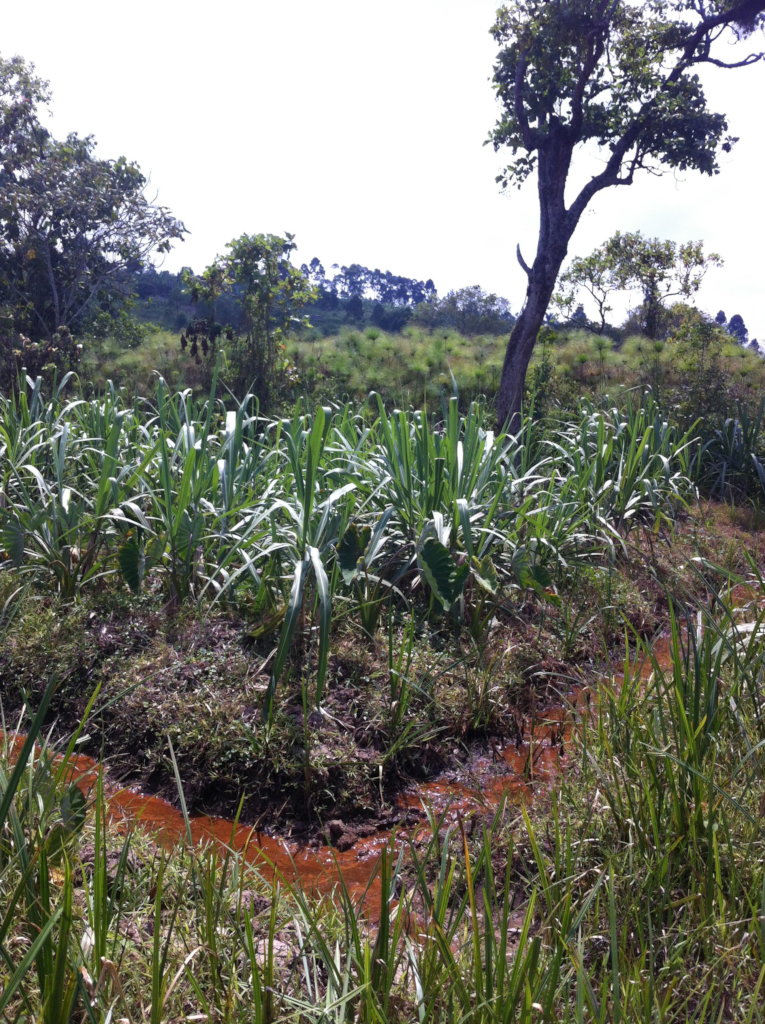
x,y
511,773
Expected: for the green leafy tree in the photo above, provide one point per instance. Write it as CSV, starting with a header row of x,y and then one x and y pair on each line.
x,y
272,294
469,310
659,269
71,224
473,311
702,388
618,76
587,274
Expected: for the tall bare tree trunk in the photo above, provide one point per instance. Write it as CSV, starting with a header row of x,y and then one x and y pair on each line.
x,y
517,358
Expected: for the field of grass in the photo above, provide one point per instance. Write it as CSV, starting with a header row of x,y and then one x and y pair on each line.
x,y
292,620
418,365
136,367
698,372
415,365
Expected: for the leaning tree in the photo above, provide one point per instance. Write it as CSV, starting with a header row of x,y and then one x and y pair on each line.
x,y
574,75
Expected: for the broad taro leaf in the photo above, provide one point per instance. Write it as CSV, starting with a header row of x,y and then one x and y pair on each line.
x,y
532,576
444,576
351,550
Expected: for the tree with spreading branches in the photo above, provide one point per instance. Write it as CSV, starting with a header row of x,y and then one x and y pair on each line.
x,y
659,269
618,75
71,223
272,293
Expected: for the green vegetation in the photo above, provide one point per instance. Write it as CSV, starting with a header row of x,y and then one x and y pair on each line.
x,y
657,269
71,225
419,364
696,367
635,893
243,510
346,600
484,706
270,293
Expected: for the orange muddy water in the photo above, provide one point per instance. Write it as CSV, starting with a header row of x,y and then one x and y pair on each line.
x,y
509,773
505,773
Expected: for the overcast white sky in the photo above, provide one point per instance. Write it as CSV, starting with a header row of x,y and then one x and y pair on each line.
x,y
358,126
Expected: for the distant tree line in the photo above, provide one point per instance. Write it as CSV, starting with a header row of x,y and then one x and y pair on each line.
x,y
353,294
357,281
467,310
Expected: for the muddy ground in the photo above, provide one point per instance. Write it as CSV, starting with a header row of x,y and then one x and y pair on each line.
x,y
474,710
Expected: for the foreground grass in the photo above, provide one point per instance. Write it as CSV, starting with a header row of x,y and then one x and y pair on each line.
x,y
635,892
338,595
411,701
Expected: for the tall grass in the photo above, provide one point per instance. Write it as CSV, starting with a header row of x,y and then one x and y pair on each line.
x,y
730,463
293,518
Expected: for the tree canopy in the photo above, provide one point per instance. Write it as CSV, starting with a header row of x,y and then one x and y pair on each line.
x,y
358,281
611,75
271,293
71,223
659,269
469,310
